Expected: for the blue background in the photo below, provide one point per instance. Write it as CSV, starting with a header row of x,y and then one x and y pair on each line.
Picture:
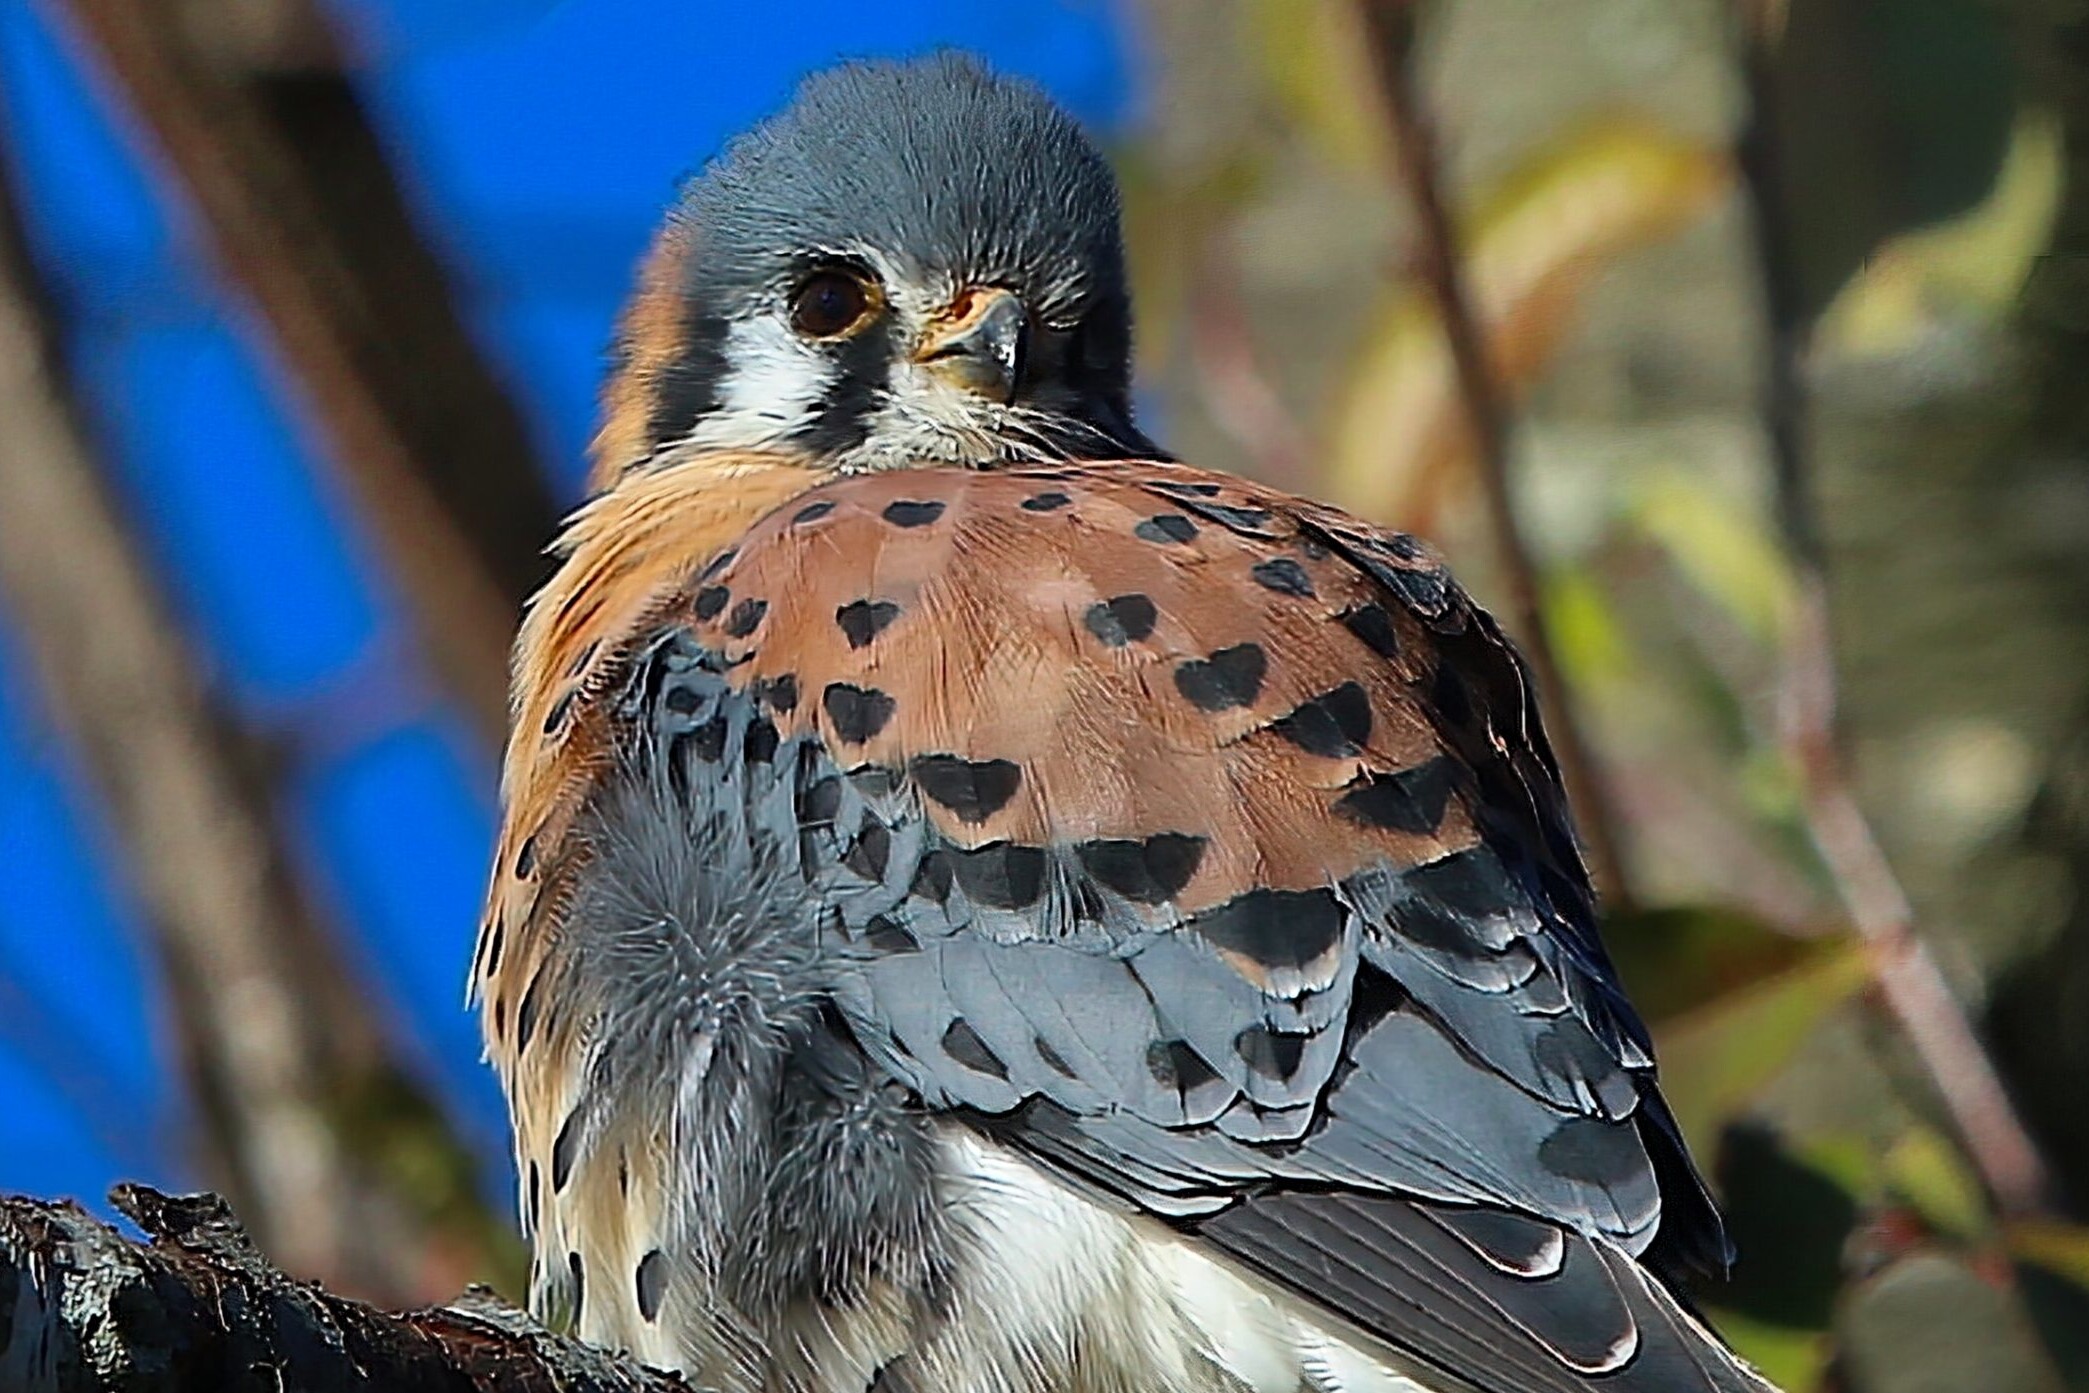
x,y
540,141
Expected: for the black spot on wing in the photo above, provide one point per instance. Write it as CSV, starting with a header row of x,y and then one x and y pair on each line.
x,y
710,600
1045,502
1148,871
863,620
871,850
526,857
973,789
1125,619
911,513
813,512
932,877
1412,800
780,692
962,1043
1000,875
858,713
1229,678
1272,1054
1176,1066
1277,928
718,563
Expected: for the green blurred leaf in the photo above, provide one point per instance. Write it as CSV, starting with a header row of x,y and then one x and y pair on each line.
x,y
1714,1059
1794,1360
1724,548
1978,262
1678,958
1889,115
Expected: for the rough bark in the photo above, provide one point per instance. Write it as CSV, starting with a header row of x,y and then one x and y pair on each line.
x,y
197,1306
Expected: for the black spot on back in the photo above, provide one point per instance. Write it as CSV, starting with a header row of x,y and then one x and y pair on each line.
x,y
745,617
526,857
863,620
710,600
1375,627
858,713
909,513
973,789
1125,619
813,512
718,563
1183,487
1283,575
1045,502
1228,678
1411,800
1335,724
1165,527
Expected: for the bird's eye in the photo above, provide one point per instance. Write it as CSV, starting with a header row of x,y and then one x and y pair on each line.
x,y
829,304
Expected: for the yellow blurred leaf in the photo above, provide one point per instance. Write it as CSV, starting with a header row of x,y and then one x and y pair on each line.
x,y
1975,262
1533,246
2060,1248
1724,550
1314,60
1593,646
1929,1173
1716,1058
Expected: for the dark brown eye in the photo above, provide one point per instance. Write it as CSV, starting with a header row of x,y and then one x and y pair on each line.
x,y
828,304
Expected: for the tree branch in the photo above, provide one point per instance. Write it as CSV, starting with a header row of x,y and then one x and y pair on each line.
x,y
1911,983
1391,25
85,1310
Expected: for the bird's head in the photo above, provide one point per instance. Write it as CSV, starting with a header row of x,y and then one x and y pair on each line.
x,y
912,263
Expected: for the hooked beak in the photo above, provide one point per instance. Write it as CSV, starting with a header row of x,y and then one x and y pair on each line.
x,y
979,343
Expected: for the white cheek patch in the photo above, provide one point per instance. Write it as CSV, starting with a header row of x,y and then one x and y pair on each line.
x,y
774,385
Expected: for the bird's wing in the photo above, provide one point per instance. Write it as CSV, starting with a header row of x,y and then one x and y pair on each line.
x,y
1203,843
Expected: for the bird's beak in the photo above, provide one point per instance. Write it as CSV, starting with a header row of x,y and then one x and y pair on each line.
x,y
979,342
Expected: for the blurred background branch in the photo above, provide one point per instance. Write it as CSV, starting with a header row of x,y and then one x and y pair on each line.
x,y
1392,29
276,1041
1911,984
251,107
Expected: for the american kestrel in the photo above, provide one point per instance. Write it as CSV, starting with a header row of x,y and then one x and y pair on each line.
x,y
985,908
